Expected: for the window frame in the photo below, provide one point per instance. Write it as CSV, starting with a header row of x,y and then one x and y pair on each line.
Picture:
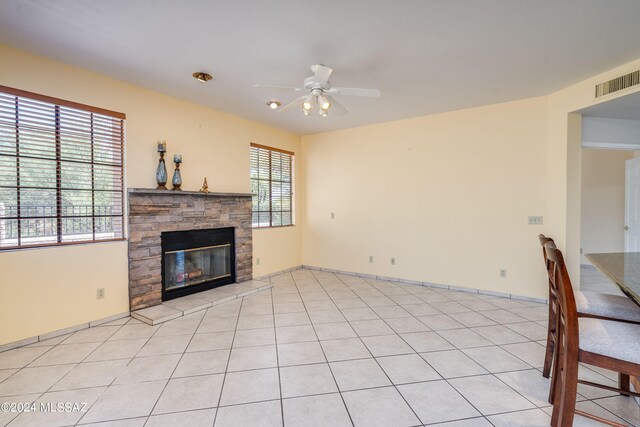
x,y
291,155
118,147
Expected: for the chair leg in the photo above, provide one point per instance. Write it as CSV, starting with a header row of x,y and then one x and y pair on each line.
x,y
554,377
556,385
569,390
548,356
566,381
623,382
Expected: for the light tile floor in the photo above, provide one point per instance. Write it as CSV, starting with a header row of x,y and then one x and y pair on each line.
x,y
318,349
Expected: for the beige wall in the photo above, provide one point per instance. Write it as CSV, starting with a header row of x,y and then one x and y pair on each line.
x,y
430,191
602,207
447,195
48,289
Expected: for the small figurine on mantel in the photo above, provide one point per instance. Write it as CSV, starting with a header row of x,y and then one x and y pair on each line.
x,y
205,186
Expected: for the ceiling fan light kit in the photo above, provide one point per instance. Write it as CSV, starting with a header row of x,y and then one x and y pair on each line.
x,y
307,104
319,93
324,102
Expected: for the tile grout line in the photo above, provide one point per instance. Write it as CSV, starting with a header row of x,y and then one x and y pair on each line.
x,y
324,353
215,418
76,365
28,365
116,377
443,378
468,327
275,338
378,363
499,379
175,367
62,364
462,350
446,380
427,362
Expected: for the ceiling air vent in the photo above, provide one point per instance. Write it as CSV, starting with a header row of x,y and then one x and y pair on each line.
x,y
619,83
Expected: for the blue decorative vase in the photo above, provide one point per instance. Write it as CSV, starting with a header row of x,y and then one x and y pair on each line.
x,y
177,178
161,174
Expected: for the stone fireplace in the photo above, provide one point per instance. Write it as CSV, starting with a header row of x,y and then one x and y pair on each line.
x,y
154,214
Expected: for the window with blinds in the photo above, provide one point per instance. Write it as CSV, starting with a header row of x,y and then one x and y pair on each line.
x,y
61,171
272,186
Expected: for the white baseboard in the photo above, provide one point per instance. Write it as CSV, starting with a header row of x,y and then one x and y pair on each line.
x,y
59,332
411,282
430,284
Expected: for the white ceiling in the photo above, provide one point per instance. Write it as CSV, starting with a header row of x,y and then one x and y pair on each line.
x,y
426,56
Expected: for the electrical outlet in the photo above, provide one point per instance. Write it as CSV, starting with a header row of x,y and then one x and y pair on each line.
x,y
370,258
333,215
503,272
535,220
257,261
393,261
100,293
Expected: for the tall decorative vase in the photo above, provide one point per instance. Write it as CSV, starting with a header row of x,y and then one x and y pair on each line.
x,y
161,170
161,174
177,178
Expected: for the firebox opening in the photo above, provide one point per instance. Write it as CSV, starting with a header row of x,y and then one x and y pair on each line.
x,y
196,260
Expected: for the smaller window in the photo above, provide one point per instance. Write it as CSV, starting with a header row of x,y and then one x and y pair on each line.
x,y
272,186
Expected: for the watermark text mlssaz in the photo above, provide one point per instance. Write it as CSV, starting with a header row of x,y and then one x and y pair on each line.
x,y
43,407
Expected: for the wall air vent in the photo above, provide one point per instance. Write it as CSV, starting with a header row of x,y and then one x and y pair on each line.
x,y
619,83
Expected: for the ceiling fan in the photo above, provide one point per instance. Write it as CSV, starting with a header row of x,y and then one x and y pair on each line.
x,y
318,92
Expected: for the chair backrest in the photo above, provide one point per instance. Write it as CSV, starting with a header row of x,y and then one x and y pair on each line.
x,y
544,239
548,264
560,280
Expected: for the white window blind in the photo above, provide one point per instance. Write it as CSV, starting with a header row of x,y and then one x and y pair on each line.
x,y
61,171
272,186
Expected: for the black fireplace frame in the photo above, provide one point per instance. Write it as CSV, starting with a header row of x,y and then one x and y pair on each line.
x,y
189,239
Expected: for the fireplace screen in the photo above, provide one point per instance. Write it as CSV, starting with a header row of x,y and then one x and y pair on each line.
x,y
190,267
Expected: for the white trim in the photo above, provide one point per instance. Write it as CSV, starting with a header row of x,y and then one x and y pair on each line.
x,y
436,285
16,344
59,332
610,145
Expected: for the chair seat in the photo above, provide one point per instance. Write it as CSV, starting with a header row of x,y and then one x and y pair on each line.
x,y
609,338
607,305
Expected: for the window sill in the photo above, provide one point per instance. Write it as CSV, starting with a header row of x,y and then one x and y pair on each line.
x,y
59,245
272,227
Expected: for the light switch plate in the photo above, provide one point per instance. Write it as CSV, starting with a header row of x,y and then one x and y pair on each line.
x,y
535,220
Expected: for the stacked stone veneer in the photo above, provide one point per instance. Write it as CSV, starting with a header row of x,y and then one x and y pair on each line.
x,y
152,212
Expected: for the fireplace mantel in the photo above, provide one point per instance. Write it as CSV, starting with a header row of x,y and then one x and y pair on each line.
x,y
152,212
153,192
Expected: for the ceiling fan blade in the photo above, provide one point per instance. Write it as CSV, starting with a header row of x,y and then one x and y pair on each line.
x,y
321,73
336,107
278,87
295,103
352,91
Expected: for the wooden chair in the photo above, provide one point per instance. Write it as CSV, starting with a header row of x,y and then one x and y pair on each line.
x,y
589,304
553,309
603,343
